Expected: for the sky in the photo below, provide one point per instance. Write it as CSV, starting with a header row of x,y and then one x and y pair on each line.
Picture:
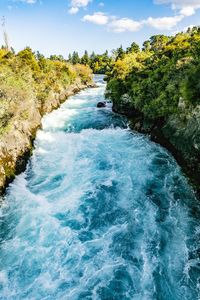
x,y
64,26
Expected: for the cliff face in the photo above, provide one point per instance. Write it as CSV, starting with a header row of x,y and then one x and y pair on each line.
x,y
180,134
16,141
183,132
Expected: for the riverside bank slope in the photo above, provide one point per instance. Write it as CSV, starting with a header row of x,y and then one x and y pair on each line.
x,y
16,142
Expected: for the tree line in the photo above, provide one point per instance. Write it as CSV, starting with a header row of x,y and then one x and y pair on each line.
x,y
99,63
160,79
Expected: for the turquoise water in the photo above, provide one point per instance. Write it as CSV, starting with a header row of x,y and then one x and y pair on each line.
x,y
100,213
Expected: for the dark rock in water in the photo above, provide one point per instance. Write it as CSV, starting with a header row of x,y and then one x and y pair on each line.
x,y
101,104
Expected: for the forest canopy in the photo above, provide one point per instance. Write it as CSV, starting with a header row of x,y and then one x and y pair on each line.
x,y
160,78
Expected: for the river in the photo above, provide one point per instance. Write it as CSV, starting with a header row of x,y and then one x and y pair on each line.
x,y
100,213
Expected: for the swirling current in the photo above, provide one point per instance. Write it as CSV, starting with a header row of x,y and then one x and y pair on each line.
x,y
100,213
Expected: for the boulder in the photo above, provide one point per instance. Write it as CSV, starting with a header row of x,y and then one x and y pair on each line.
x,y
101,104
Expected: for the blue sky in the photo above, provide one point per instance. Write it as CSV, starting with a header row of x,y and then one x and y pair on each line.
x,y
62,26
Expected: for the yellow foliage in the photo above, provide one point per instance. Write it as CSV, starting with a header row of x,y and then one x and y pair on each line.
x,y
132,60
84,72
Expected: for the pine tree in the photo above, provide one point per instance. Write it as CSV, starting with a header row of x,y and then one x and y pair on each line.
x,y
85,59
75,58
120,53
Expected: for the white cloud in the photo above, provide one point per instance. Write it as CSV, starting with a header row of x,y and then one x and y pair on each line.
x,y
165,23
187,11
180,3
80,3
125,24
129,25
73,10
185,7
29,1
98,18
76,5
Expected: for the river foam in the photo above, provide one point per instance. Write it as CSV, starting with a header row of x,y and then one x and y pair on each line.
x,y
100,213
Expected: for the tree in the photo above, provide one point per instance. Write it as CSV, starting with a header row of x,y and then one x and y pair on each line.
x,y
27,56
120,53
70,58
57,58
146,46
92,57
133,48
75,58
191,84
160,77
85,60
158,42
99,63
39,56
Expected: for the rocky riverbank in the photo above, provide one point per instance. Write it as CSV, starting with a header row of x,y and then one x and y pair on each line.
x,y
180,134
16,142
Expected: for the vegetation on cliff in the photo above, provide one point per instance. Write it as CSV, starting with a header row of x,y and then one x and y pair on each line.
x,y
27,75
30,86
160,78
161,86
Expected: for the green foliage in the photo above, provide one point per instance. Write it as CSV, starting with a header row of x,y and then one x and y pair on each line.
x,y
27,57
158,42
156,79
57,58
191,84
75,59
99,63
85,60
103,63
133,48
27,75
84,72
120,53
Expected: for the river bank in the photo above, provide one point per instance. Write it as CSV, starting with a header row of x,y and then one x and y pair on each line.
x,y
157,87
178,134
16,143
